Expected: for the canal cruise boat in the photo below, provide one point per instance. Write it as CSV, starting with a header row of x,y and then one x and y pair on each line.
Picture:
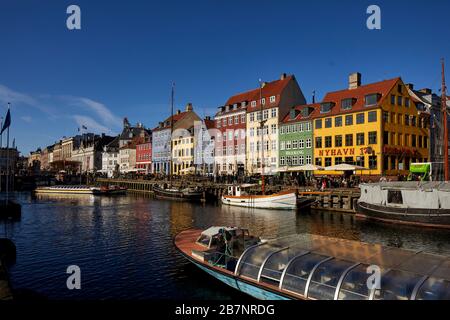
x,y
314,267
81,189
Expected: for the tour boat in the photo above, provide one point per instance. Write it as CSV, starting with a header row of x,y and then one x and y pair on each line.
x,y
313,267
238,196
68,189
413,203
179,194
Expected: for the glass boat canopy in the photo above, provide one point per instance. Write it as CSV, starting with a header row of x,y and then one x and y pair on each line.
x,y
317,267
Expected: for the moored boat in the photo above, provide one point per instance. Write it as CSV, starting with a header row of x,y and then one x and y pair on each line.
x,y
179,194
413,203
68,189
238,196
313,267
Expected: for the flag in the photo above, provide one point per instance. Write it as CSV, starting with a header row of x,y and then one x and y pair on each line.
x,y
7,122
84,127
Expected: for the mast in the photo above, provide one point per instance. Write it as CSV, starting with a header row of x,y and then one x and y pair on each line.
x,y
263,187
444,110
171,131
7,160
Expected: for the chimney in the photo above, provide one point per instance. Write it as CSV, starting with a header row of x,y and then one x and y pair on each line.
x,y
425,90
160,124
410,86
207,118
178,111
263,84
354,80
283,76
189,107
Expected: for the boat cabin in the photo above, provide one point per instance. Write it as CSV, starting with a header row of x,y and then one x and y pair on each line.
x,y
240,190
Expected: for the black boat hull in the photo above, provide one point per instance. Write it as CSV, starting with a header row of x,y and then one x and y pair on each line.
x,y
177,195
435,218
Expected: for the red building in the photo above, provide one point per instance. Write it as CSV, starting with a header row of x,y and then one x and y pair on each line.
x,y
144,156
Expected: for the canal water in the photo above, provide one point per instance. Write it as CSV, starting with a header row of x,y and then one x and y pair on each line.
x,y
124,248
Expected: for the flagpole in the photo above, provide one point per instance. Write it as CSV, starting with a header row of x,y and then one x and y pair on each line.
x,y
7,161
1,146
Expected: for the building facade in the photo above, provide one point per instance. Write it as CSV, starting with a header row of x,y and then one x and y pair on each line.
x,y
230,137
110,158
376,126
275,99
204,146
296,137
144,157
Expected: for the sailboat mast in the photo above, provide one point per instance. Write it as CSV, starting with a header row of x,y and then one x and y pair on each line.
x,y
444,110
263,187
171,131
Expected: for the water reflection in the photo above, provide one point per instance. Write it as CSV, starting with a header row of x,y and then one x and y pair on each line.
x,y
124,247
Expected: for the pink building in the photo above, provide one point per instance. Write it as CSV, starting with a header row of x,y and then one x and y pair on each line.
x,y
144,157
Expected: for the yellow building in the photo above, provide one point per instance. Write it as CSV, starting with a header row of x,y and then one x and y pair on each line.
x,y
376,126
183,153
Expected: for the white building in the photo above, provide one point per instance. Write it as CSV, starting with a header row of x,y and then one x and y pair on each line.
x,y
110,158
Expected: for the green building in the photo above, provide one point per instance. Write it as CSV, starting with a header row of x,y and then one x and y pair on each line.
x,y
296,138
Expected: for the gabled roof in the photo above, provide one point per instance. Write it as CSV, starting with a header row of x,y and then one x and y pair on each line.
x,y
176,117
383,88
209,124
315,110
274,88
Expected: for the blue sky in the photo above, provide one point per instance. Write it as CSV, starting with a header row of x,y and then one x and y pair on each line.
x,y
124,59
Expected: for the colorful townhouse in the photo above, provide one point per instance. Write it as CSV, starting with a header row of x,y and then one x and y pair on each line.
x,y
376,126
144,156
230,124
275,99
183,142
296,138
204,146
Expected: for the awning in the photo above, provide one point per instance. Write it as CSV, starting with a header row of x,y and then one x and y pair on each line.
x,y
307,167
345,167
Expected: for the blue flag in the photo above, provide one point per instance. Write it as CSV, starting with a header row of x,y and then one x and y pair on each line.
x,y
7,122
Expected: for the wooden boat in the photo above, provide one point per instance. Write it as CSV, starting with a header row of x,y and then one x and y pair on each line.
x,y
313,267
412,203
238,196
113,190
170,193
68,189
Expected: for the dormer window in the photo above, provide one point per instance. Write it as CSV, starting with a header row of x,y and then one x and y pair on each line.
x,y
235,106
272,99
253,104
371,99
326,107
347,104
263,101
244,104
292,114
306,112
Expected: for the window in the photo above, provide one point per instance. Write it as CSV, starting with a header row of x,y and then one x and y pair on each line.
x,y
413,141
327,162
360,118
425,142
308,126
399,139
349,140
406,119
338,121
318,142
294,144
392,162
392,99
282,145
318,124
273,128
346,104
328,123
385,137
338,160
318,161
265,114
413,121
230,135
406,139
300,127
218,122
224,122
252,132
420,141
349,160
301,160
407,102
230,120
243,118
274,113
253,104
282,161
395,197
308,143
301,144
326,107
392,138
385,116
252,117
338,141
274,145
263,101
360,139
373,137
288,145
371,99
373,162
399,100
349,120
399,118
372,116
236,119
328,142
308,159
272,99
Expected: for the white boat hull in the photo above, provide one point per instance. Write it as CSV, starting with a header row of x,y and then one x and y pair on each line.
x,y
280,201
